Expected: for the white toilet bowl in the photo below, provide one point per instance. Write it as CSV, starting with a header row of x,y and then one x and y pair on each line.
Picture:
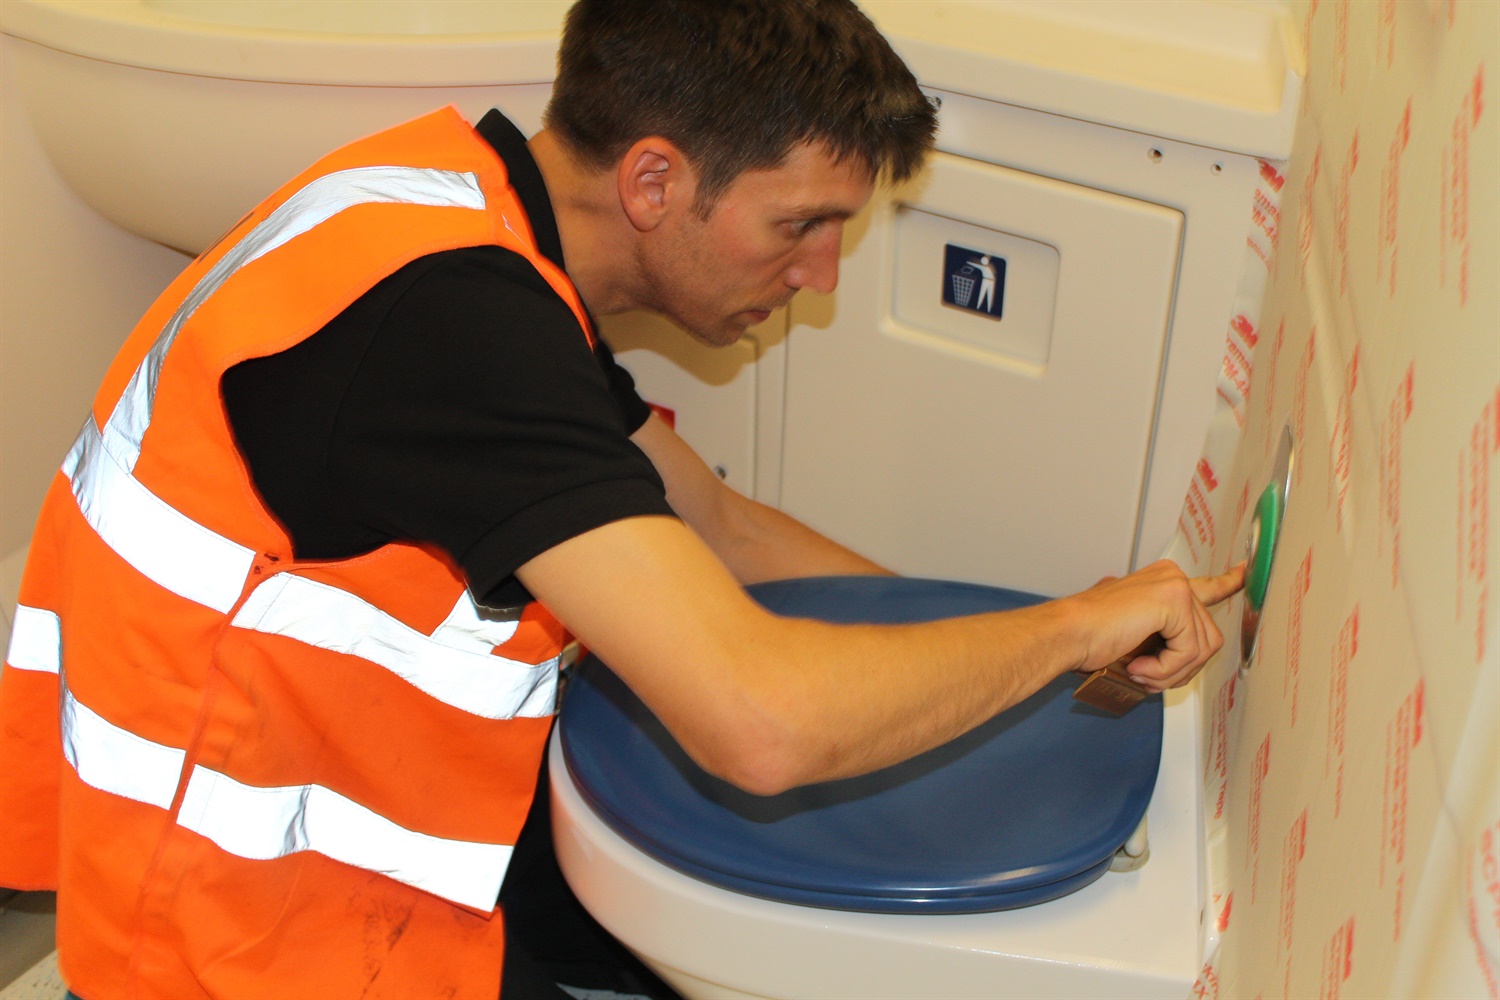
x,y
1128,934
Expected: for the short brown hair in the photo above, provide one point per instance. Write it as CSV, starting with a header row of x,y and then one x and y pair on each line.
x,y
736,84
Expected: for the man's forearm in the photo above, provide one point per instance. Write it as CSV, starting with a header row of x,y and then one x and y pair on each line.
x,y
755,541
759,543
768,702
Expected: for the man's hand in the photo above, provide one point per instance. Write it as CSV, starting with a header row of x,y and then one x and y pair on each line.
x,y
767,702
1155,619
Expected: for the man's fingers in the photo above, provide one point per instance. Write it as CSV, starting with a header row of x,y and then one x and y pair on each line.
x,y
1175,662
1184,634
1182,650
1210,640
1210,590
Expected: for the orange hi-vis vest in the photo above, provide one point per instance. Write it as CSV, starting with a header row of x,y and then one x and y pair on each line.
x,y
250,775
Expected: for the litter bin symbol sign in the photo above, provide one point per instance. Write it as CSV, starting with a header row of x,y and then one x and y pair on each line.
x,y
973,280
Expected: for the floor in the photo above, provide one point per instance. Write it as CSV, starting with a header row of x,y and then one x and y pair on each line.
x,y
28,963
41,982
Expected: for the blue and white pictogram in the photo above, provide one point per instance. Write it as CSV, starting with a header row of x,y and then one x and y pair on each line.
x,y
973,280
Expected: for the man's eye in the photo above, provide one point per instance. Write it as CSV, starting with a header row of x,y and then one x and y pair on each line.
x,y
806,226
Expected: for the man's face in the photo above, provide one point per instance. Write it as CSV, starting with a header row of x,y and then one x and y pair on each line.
x,y
771,233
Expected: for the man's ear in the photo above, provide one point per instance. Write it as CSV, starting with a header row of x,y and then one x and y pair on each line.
x,y
654,179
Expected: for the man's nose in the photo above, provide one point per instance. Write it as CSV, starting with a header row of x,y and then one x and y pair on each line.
x,y
817,268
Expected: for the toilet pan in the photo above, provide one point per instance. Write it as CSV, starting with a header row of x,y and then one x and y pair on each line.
x,y
977,869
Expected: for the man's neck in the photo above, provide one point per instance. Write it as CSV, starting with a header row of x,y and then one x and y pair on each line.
x,y
597,238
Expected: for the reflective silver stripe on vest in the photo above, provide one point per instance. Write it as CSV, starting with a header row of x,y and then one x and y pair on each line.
x,y
163,544
469,626
35,641
316,203
266,823
113,760
203,566
465,676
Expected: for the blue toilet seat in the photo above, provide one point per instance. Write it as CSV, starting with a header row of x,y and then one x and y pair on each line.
x,y
1026,808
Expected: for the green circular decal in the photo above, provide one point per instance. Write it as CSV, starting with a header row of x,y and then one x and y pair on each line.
x,y
1267,527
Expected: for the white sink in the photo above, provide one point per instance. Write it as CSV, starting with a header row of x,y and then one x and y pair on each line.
x,y
361,17
172,118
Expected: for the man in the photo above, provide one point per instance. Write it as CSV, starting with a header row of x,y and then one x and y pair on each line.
x,y
301,586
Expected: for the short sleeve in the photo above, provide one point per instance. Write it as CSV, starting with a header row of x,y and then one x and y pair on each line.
x,y
633,409
455,403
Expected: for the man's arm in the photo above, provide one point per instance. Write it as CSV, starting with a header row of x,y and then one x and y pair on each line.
x,y
755,541
769,703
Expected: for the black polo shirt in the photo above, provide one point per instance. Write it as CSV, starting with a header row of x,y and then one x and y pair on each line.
x,y
456,403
